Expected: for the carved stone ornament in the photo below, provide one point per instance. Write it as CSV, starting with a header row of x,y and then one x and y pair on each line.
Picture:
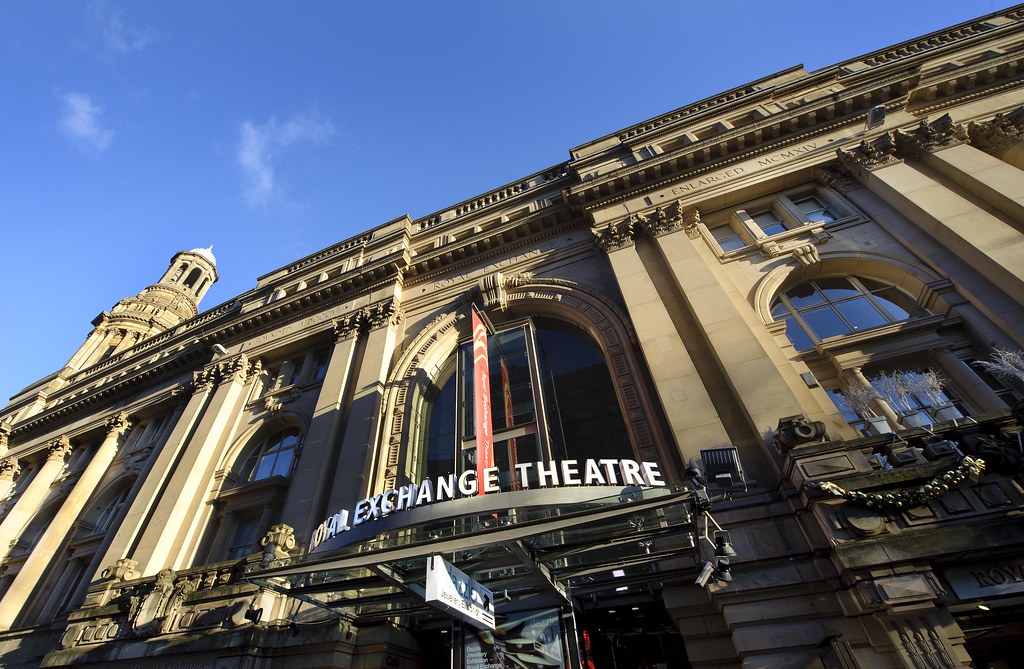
x,y
997,136
122,570
807,255
280,539
492,291
617,235
347,326
381,314
690,220
836,177
9,469
5,432
59,448
927,137
118,424
659,223
869,156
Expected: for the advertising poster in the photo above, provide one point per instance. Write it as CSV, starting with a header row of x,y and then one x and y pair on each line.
x,y
524,641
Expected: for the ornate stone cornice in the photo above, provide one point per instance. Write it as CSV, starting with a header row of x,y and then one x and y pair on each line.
x,y
995,137
59,448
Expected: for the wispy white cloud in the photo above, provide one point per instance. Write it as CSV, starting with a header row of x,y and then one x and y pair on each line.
x,y
81,121
260,147
112,35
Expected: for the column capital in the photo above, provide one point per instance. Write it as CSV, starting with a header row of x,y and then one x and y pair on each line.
x,y
238,368
996,136
618,235
869,156
5,433
660,223
345,327
9,469
117,424
927,137
59,448
383,313
837,177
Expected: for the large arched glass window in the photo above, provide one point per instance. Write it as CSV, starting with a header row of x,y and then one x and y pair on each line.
x,y
272,456
840,305
552,398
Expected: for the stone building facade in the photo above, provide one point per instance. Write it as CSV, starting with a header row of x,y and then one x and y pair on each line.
x,y
753,324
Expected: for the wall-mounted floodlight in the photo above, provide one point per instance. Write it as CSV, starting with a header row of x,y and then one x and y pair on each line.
x,y
876,117
723,545
723,572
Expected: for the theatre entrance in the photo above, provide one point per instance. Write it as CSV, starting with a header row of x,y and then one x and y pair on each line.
x,y
575,575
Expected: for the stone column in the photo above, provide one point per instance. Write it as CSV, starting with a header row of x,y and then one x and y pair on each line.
x,y
1002,137
994,181
310,488
986,243
9,470
154,479
976,391
761,381
359,443
34,495
691,414
54,536
855,376
170,534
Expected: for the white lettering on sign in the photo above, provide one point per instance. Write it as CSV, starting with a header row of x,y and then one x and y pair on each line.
x,y
554,474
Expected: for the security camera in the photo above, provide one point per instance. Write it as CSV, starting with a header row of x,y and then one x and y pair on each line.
x,y
695,475
705,574
219,350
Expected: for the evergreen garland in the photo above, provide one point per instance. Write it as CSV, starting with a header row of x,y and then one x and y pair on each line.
x,y
938,486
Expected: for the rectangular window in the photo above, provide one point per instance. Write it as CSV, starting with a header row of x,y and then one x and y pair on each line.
x,y
243,538
812,210
727,238
769,222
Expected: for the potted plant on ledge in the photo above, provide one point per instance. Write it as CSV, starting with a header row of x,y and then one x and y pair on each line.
x,y
860,398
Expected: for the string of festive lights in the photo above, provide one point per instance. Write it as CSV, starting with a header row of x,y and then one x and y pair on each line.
x,y
938,486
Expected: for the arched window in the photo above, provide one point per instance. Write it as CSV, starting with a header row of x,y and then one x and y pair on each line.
x,y
193,276
840,305
111,510
273,456
552,398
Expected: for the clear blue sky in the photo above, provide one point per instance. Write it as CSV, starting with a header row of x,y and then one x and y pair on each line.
x,y
271,130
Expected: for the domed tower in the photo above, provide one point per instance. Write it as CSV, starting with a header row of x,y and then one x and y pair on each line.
x,y
165,304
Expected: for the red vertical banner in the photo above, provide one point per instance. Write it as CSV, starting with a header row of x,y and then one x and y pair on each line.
x,y
481,402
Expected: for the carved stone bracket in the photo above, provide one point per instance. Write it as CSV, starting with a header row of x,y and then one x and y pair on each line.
x,y
807,255
492,291
122,570
279,541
